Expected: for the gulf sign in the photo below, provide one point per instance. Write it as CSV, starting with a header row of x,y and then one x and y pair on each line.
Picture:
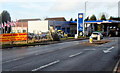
x,y
13,37
80,21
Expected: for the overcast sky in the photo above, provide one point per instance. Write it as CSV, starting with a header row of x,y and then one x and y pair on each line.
x,y
58,8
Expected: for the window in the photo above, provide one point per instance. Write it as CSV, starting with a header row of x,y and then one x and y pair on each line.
x,y
18,31
68,30
24,31
58,27
63,29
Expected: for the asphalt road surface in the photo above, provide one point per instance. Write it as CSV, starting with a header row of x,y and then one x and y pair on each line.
x,y
66,56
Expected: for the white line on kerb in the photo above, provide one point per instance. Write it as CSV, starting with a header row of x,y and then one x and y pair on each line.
x,y
75,54
49,64
13,60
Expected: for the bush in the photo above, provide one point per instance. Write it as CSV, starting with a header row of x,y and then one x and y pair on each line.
x,y
55,37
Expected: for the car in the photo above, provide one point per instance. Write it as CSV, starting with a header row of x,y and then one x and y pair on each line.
x,y
94,35
33,36
30,36
43,36
36,36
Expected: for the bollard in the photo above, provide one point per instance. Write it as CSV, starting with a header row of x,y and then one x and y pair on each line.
x,y
98,38
76,36
90,40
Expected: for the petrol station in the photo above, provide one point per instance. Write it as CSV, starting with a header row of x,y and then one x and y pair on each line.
x,y
106,27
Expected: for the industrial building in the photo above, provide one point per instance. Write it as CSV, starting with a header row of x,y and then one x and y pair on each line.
x,y
43,26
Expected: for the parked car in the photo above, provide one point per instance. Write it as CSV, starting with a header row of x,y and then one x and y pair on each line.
x,y
43,36
60,33
94,35
30,36
36,36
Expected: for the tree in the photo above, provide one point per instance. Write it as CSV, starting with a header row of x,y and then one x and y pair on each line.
x,y
111,18
5,16
71,19
75,20
0,19
87,18
103,17
93,17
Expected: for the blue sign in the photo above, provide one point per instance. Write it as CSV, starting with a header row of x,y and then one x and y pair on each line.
x,y
80,21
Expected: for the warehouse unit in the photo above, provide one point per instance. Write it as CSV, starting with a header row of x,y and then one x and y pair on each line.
x,y
43,26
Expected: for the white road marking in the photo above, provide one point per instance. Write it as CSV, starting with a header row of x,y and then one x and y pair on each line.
x,y
90,49
61,48
13,60
61,43
77,43
100,45
108,50
36,46
31,46
75,54
44,66
37,54
116,66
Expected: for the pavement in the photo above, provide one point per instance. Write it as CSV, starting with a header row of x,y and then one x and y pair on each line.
x,y
65,56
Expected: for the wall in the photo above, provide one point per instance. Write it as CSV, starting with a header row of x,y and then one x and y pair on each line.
x,y
62,25
21,24
37,26
19,29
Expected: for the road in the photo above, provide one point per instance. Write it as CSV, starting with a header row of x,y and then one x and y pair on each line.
x,y
66,56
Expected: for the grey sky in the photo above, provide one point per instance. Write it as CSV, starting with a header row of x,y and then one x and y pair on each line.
x,y
58,8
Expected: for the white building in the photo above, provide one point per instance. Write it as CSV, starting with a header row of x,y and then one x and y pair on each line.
x,y
43,26
38,26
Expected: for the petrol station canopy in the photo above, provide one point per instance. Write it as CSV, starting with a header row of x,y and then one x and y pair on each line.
x,y
98,21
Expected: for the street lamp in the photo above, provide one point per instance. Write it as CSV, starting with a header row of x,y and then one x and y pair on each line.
x,y
84,18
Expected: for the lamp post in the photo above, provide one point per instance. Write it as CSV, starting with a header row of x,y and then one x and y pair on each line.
x,y
84,19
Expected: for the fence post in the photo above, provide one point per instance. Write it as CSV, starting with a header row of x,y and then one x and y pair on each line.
x,y
27,35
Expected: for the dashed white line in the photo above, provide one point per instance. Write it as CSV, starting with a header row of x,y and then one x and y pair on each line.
x,y
75,54
44,66
13,60
100,45
90,49
60,48
37,54
31,46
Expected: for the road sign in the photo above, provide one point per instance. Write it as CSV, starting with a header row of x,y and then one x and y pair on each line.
x,y
80,21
